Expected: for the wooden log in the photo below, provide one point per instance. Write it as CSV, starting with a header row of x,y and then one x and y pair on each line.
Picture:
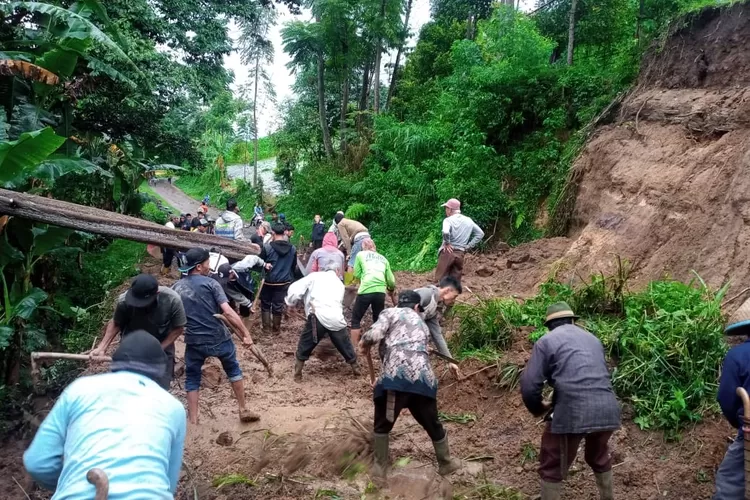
x,y
97,221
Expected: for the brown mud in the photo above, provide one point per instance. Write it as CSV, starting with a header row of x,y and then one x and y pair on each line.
x,y
284,453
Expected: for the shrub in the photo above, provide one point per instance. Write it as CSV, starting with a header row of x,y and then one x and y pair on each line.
x,y
666,341
151,212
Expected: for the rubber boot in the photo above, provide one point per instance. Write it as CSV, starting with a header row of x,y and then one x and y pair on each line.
x,y
604,484
298,366
551,491
277,322
446,464
356,370
380,463
265,319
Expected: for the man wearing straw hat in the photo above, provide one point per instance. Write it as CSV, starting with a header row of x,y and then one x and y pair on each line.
x,y
730,478
583,407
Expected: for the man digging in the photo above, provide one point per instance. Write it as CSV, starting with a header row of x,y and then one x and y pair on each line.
x,y
147,306
206,336
430,298
323,295
571,361
406,381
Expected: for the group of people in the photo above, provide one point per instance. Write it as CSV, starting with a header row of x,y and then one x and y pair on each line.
x,y
98,414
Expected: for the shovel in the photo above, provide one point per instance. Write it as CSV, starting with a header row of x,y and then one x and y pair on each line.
x,y
742,393
253,348
36,356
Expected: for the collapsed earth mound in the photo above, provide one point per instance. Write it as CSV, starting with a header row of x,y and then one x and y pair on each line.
x,y
667,183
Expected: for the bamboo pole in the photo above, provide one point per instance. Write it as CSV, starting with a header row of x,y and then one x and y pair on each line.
x,y
36,356
94,220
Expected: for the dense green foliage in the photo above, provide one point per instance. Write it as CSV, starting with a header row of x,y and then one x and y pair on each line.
x,y
666,341
95,98
242,151
486,112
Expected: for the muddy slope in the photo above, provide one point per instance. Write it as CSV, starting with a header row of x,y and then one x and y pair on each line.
x,y
668,183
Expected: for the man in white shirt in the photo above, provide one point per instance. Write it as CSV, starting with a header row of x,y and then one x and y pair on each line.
x,y
323,296
168,253
460,234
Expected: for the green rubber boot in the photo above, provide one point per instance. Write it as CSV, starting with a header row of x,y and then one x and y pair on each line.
x,y
446,464
551,491
604,484
380,464
265,319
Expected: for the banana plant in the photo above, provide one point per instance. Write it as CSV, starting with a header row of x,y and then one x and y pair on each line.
x,y
22,247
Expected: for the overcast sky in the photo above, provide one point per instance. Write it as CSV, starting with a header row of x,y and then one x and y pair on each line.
x,y
280,74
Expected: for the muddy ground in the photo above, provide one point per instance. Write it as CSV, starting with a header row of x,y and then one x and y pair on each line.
x,y
299,419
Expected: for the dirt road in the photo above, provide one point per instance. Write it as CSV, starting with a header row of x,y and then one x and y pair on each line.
x,y
179,200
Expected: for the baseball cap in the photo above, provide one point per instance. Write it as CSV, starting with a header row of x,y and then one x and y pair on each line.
x,y
203,222
408,298
142,292
193,257
453,204
224,274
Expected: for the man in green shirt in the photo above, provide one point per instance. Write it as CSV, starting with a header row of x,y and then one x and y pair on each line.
x,y
375,276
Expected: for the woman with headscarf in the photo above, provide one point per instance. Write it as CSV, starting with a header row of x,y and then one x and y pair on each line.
x,y
327,254
375,276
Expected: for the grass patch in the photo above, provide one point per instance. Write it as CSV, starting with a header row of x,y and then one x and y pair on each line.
x,y
229,479
666,341
145,188
457,418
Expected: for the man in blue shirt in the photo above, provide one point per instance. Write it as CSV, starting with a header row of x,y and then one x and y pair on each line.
x,y
124,423
735,372
205,335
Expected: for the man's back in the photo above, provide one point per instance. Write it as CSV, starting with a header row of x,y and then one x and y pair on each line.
x,y
166,315
464,232
122,423
575,366
202,297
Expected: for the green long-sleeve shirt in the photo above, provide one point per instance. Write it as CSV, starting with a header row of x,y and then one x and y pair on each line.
x,y
374,273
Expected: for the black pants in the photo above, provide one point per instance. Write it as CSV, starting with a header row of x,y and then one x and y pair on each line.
x,y
272,298
317,244
423,409
167,255
340,340
363,302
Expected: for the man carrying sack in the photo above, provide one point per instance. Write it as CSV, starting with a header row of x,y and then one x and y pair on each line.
x,y
583,407
730,478
147,306
124,423
323,295
205,335
406,381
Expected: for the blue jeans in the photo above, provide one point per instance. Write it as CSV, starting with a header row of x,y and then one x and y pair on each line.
x,y
356,248
730,478
195,355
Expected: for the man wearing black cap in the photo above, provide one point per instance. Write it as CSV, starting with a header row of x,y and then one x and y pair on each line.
x,y
584,407
205,335
406,381
124,423
147,306
282,270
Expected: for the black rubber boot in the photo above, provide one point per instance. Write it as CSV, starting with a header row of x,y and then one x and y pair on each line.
x,y
277,322
265,319
298,366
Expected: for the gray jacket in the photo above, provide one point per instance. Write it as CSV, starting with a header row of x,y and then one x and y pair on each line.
x,y
571,360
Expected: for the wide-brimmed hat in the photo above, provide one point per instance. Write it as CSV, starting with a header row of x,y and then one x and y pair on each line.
x,y
739,322
559,310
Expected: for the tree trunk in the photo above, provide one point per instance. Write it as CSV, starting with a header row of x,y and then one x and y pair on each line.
x,y
572,31
376,80
344,110
97,221
255,121
363,97
392,87
322,103
378,54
